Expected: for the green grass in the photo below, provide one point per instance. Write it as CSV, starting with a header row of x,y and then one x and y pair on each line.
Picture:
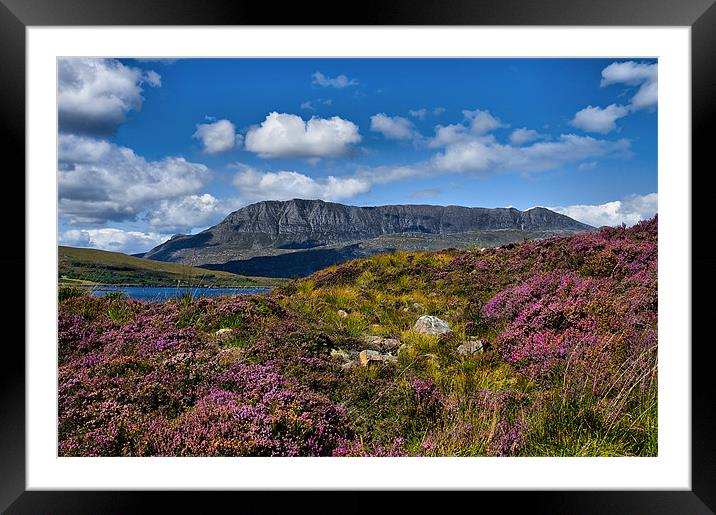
x,y
86,267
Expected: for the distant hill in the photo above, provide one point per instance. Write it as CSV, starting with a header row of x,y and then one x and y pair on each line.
x,y
298,237
80,265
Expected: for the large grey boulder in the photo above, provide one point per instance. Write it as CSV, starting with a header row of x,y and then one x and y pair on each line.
x,y
428,324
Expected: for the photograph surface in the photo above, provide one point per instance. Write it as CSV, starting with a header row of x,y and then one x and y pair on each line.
x,y
357,257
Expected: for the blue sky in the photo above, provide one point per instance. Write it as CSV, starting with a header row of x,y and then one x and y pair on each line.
x,y
152,148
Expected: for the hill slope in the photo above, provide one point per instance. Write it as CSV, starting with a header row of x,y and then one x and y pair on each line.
x,y
100,266
552,352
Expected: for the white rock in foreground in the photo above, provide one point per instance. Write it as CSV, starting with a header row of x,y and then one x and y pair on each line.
x,y
428,324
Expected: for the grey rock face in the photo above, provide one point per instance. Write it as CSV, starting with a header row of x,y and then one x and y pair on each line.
x,y
428,324
305,224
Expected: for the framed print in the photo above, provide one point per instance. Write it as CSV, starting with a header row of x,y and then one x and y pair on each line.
x,y
420,249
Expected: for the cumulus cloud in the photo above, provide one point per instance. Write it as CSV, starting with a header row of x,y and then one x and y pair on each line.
x,y
484,155
629,73
100,181
629,211
285,185
283,135
341,81
190,212
95,95
632,73
524,135
307,105
393,127
476,126
217,137
482,122
115,240
596,119
438,111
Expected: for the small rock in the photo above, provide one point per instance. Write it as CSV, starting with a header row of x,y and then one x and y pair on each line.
x,y
428,324
473,346
389,343
222,332
417,306
405,309
381,343
368,356
432,294
342,313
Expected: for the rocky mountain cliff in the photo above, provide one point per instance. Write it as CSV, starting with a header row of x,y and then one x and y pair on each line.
x,y
273,228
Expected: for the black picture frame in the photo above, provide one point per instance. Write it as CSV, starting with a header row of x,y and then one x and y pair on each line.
x,y
700,15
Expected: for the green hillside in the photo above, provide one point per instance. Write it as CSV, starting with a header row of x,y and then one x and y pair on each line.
x,y
92,266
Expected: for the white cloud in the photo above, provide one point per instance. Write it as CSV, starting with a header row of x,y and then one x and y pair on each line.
x,y
190,212
341,81
476,127
418,113
629,211
438,111
285,185
647,96
115,240
484,155
524,135
153,79
283,135
94,95
631,73
482,122
596,119
583,167
217,137
307,105
101,181
393,127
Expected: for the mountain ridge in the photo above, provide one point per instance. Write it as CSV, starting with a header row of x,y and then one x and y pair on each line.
x,y
271,228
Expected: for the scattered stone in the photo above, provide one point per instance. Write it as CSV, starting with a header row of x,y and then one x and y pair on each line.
x,y
340,354
366,357
381,343
417,306
342,314
389,344
428,324
472,346
406,309
432,294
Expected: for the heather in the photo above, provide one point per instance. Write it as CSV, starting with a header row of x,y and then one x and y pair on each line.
x,y
568,366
